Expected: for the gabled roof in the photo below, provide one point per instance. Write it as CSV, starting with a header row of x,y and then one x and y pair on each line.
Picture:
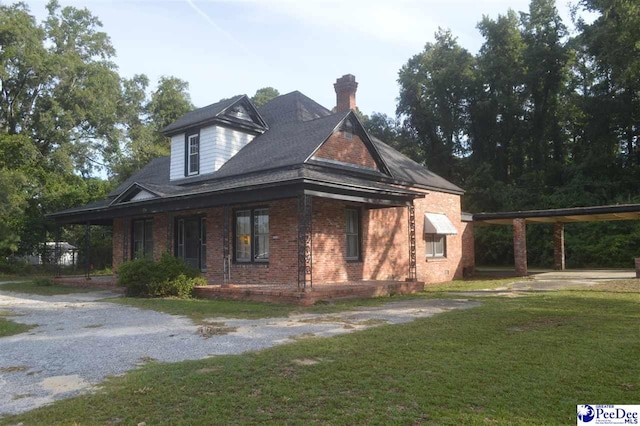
x,y
215,111
292,107
406,170
156,173
294,127
287,144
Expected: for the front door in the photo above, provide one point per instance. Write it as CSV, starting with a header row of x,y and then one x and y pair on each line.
x,y
191,242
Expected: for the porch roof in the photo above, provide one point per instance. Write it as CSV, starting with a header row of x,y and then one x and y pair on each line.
x,y
272,185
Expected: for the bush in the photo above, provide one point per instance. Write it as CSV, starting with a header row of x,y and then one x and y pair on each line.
x,y
170,276
43,282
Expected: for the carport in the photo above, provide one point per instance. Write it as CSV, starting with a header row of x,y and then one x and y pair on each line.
x,y
558,217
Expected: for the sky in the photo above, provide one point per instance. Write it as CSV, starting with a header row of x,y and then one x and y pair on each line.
x,y
228,47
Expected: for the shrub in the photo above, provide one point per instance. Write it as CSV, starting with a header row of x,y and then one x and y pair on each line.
x,y
43,282
170,276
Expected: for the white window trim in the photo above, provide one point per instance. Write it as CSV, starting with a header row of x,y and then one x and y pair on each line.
x,y
190,156
435,255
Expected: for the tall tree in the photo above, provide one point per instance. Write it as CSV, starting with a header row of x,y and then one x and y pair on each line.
x,y
612,41
144,116
434,95
546,63
497,113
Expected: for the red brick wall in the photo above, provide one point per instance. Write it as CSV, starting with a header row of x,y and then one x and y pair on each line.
x,y
352,151
433,270
385,250
468,248
385,246
283,248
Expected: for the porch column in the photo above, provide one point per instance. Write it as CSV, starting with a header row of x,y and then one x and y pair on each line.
x,y
412,244
87,247
558,246
57,254
520,246
126,226
305,267
226,259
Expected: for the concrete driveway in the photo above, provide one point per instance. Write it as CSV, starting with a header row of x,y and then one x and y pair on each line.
x,y
553,281
79,340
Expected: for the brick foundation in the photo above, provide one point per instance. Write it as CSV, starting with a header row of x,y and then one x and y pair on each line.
x,y
309,296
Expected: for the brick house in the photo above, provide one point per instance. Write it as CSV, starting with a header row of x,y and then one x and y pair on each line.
x,y
290,193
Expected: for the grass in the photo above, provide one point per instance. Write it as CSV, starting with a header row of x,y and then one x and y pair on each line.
x,y
31,287
9,328
200,309
527,360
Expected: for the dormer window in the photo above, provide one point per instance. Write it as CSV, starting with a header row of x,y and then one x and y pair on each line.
x,y
347,130
192,155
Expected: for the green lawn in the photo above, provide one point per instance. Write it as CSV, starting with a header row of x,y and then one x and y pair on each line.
x,y
30,287
522,360
199,309
9,328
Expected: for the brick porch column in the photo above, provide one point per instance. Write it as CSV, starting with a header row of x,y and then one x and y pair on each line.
x,y
520,246
558,246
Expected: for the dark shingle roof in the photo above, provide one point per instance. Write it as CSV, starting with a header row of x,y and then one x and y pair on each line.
x,y
405,169
287,144
156,172
201,114
292,107
297,126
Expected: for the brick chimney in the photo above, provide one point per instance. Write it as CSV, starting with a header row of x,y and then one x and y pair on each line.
x,y
346,87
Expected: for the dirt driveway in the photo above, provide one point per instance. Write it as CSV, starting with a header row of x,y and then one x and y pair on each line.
x,y
79,340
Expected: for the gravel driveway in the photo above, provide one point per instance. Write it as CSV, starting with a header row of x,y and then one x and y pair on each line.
x,y
79,340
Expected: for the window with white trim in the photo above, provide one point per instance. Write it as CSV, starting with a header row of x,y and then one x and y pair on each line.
x,y
193,154
436,245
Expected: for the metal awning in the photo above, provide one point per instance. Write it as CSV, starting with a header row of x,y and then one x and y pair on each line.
x,y
438,223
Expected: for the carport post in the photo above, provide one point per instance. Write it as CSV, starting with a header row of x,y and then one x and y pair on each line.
x,y
558,246
87,247
520,246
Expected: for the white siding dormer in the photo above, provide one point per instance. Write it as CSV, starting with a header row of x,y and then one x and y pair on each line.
x,y
217,145
177,157
228,143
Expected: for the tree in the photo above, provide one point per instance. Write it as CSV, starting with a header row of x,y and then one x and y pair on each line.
x,y
434,95
612,42
497,109
546,63
144,116
391,131
264,95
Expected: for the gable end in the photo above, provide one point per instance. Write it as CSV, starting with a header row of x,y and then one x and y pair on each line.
x,y
349,145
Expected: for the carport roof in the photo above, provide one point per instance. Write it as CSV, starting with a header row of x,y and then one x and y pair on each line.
x,y
568,215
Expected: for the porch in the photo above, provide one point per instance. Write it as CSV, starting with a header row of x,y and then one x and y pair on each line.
x,y
282,293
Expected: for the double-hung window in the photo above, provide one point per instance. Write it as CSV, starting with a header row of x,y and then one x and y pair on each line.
x,y
142,238
353,234
436,245
192,157
252,235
